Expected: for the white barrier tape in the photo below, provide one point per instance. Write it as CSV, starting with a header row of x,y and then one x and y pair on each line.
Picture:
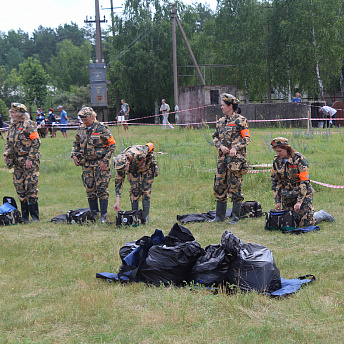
x,y
328,185
258,171
112,123
313,181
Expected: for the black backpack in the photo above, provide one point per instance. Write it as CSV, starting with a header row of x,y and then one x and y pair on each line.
x,y
80,216
9,214
130,218
251,209
281,219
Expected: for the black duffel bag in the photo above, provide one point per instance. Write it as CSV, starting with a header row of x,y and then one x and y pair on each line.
x,y
130,218
80,216
281,219
251,209
9,214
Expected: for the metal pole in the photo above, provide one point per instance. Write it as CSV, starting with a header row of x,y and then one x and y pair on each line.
x,y
174,47
99,50
112,24
190,51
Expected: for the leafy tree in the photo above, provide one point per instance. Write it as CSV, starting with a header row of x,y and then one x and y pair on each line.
x,y
71,32
240,39
45,40
15,47
69,66
10,86
306,44
34,81
3,110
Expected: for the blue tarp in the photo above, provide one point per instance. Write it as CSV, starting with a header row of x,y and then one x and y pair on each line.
x,y
289,286
6,208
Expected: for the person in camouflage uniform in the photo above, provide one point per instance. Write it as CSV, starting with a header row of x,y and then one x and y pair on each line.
x,y
231,138
22,153
141,168
92,149
291,187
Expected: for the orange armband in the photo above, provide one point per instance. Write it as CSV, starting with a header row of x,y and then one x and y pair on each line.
x,y
33,136
245,133
150,146
109,142
304,176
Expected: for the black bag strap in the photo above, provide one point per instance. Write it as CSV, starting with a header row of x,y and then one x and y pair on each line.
x,y
312,277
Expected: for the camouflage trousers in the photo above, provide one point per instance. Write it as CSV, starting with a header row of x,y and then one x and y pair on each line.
x,y
25,181
96,182
305,217
228,180
140,185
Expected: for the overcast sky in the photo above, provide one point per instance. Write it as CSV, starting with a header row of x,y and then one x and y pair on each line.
x,y
28,15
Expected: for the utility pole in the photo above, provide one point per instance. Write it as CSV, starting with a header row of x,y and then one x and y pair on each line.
x,y
99,48
268,56
98,84
174,48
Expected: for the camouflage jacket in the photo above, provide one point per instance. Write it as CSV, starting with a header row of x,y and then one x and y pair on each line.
x,y
290,180
232,132
22,143
93,145
139,154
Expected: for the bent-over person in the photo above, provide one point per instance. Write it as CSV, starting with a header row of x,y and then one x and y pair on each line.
x,y
139,164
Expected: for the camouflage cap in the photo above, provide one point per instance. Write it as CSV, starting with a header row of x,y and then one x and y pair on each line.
x,y
120,161
230,98
279,141
18,107
86,112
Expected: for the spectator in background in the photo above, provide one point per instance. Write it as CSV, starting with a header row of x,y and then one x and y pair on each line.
x,y
64,120
165,110
51,122
40,122
1,125
124,112
329,112
297,98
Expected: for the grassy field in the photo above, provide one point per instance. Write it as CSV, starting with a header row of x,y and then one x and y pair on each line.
x,y
48,289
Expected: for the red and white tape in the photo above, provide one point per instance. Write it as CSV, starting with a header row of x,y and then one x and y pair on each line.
x,y
313,181
328,185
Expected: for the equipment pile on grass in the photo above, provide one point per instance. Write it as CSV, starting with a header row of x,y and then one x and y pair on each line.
x,y
180,260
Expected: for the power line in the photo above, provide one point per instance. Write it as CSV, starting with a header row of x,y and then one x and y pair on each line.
x,y
136,40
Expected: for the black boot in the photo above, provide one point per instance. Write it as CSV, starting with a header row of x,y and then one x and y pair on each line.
x,y
33,209
103,209
93,203
146,206
322,215
220,212
235,213
135,205
24,211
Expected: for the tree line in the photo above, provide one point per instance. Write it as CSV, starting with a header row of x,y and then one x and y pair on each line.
x,y
278,47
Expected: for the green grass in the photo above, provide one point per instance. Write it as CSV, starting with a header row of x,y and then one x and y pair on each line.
x,y
48,289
